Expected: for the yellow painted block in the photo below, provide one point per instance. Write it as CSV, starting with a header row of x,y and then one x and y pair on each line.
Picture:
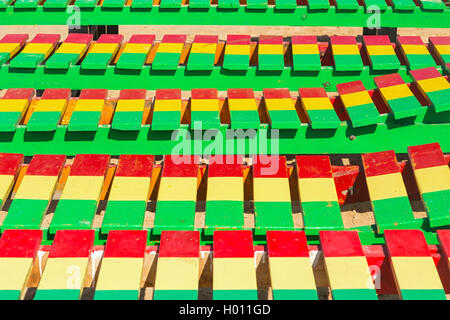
x,y
137,48
415,49
78,48
170,47
6,183
104,48
386,186
36,187
345,49
396,92
120,274
38,48
130,188
433,179
348,273
416,273
305,49
167,105
225,188
317,103
237,49
204,105
130,105
89,105
270,49
234,274
442,49
356,99
178,189
64,273
51,105
177,274
380,50
271,190
280,104
204,48
10,48
13,105
317,189
14,272
82,188
434,84
291,274
242,104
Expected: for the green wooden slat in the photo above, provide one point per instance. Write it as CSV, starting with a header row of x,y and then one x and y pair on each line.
x,y
9,121
354,294
223,215
404,5
437,206
228,4
27,60
244,119
43,121
10,294
380,5
199,4
236,62
61,60
420,61
57,294
284,119
347,5
285,4
116,295
86,3
286,294
385,62
318,4
142,4
207,119
423,294
26,4
273,216
170,4
174,215
25,214
166,120
5,3
235,295
131,61
270,62
4,57
166,61
73,215
123,215
406,107
363,115
306,62
175,295
394,213
440,100
127,120
113,3
84,121
432,5
348,62
257,4
200,61
96,61
324,119
321,215
56,4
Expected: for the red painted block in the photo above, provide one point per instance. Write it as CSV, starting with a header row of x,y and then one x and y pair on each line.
x,y
350,87
179,244
174,38
280,93
225,166
287,244
233,244
426,73
132,94
14,38
240,94
388,80
10,162
82,38
142,38
268,39
168,94
312,93
94,94
406,243
180,166
444,41
19,94
376,40
204,94
444,239
72,244
135,166
313,167
410,40
46,165
265,164
126,244
379,163
56,94
110,38
20,243
90,165
46,38
341,244
206,39
346,40
304,40
426,156
238,39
